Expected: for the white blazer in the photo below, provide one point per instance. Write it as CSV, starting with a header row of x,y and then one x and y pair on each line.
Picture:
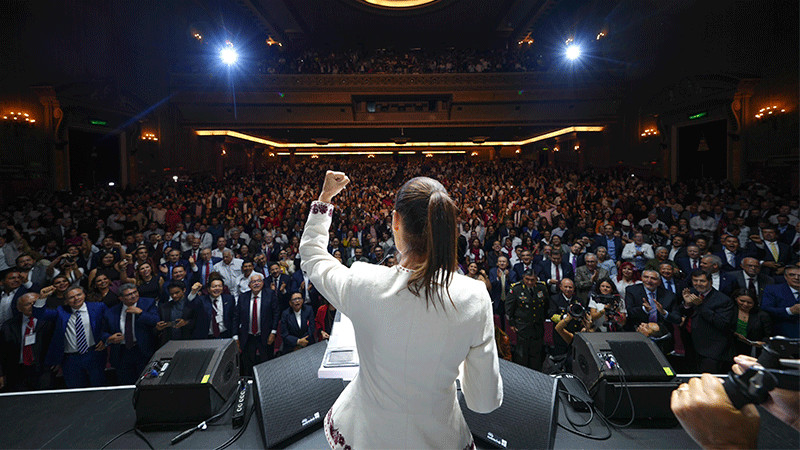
x,y
404,395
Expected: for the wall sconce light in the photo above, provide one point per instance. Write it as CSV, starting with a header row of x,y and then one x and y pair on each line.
x,y
556,149
149,137
577,146
429,155
315,156
473,154
518,151
18,117
769,111
370,156
649,132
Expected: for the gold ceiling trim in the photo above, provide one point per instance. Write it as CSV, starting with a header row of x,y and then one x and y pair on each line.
x,y
471,144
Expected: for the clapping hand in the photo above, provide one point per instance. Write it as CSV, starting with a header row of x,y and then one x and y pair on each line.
x,y
115,338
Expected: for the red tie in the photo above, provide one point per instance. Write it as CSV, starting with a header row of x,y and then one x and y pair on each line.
x,y
208,271
694,264
254,319
27,350
558,273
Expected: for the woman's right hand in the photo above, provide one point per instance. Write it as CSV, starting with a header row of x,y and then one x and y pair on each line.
x,y
334,183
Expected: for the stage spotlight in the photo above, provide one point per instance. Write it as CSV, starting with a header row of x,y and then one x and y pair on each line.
x,y
573,52
175,178
228,55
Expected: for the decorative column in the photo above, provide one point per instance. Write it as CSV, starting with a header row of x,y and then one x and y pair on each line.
x,y
51,121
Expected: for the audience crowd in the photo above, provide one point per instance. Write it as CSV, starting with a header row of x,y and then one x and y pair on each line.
x,y
391,61
93,282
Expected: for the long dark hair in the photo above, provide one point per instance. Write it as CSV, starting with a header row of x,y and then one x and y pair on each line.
x,y
429,219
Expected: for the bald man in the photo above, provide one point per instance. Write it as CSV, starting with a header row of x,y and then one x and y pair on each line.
x,y
24,341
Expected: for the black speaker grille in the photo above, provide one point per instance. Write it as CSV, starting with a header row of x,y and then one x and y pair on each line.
x,y
638,361
291,397
527,417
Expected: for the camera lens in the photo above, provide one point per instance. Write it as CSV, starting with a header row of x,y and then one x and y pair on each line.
x,y
576,310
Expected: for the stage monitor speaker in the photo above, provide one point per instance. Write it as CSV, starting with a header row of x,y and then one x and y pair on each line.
x,y
630,357
527,417
186,382
291,398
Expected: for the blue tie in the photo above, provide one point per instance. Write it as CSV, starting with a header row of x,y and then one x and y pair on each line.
x,y
80,334
653,310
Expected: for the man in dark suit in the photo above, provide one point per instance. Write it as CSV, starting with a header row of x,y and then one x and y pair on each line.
x,y
690,263
677,248
256,337
575,257
297,325
193,254
173,260
176,314
773,254
751,279
612,243
280,283
204,266
131,329
302,284
78,343
668,280
709,324
23,344
501,278
731,255
11,289
786,232
34,276
781,302
214,312
553,271
719,280
649,302
526,263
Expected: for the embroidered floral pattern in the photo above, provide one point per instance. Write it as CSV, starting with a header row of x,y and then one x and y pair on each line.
x,y
334,436
321,208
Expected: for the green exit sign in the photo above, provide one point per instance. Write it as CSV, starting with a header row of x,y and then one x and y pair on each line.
x,y
698,115
102,123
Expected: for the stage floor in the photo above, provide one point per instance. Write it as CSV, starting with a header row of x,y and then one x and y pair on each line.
x,y
89,418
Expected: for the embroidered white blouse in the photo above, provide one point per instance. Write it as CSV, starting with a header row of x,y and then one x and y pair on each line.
x,y
410,355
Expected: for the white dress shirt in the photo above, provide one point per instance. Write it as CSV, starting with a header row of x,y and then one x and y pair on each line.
x,y
297,317
218,315
70,338
6,299
715,280
122,314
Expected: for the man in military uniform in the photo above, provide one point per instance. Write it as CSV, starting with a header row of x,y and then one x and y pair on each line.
x,y
526,306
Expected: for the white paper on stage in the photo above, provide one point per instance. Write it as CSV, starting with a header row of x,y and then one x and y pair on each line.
x,y
341,357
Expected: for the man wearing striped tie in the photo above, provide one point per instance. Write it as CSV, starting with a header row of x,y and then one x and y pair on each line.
x,y
78,340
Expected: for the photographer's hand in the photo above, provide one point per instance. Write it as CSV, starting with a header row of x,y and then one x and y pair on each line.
x,y
782,403
708,416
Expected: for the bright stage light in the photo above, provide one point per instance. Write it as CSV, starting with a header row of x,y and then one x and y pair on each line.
x,y
228,55
573,52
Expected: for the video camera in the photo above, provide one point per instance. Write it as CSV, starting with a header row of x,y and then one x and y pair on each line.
x,y
779,369
613,314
